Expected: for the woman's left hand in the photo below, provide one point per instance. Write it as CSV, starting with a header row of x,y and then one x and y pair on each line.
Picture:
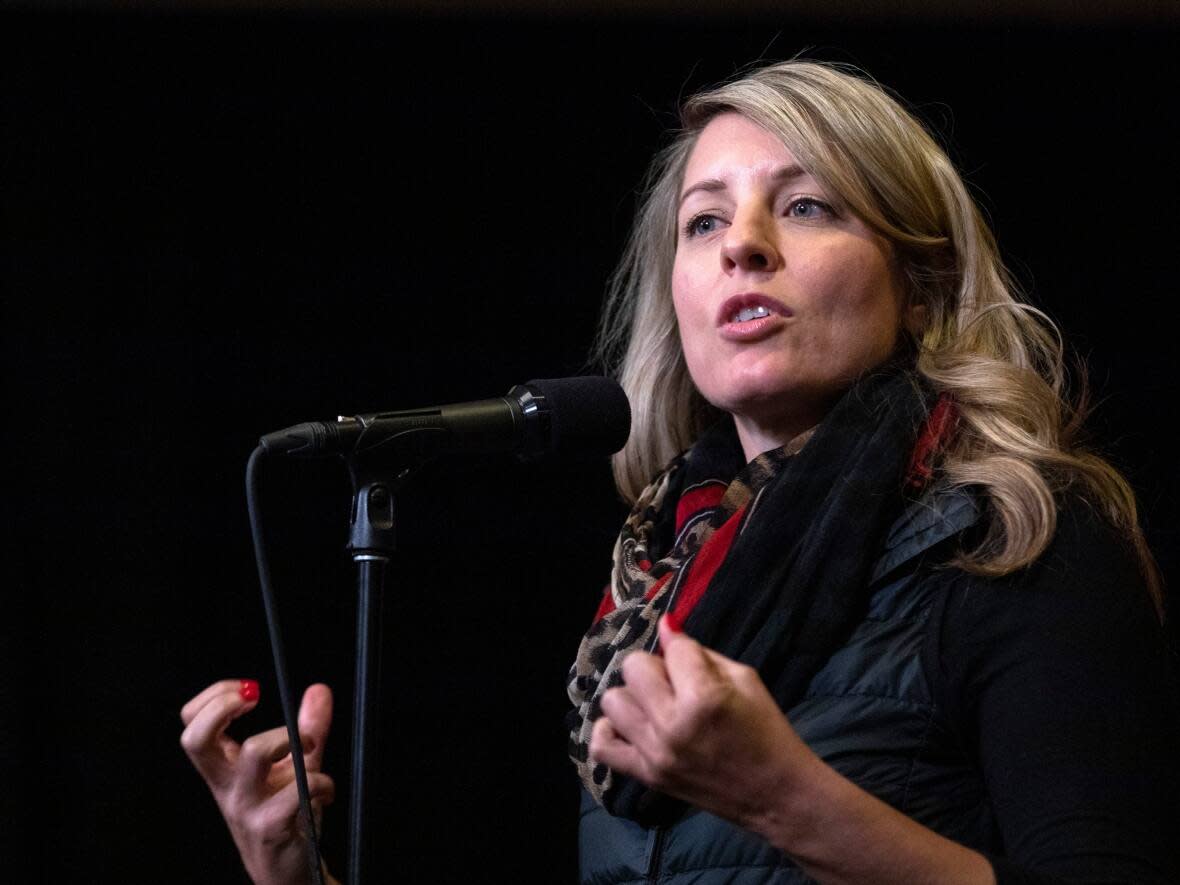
x,y
701,727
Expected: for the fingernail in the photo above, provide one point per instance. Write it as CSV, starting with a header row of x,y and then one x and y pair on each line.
x,y
674,623
248,689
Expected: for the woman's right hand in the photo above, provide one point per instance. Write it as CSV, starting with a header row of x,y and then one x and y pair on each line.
x,y
254,782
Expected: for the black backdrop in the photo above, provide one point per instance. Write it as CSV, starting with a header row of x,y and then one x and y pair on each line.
x,y
219,224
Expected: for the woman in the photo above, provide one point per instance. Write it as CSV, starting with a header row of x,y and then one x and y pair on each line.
x,y
882,621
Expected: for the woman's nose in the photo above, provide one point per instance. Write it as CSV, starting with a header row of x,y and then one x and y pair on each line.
x,y
750,244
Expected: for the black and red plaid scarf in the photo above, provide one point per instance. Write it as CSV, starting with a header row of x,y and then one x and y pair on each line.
x,y
766,563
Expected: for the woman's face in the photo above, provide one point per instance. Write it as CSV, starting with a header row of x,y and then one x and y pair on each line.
x,y
782,296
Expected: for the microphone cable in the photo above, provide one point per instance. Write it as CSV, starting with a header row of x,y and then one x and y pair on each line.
x,y
276,645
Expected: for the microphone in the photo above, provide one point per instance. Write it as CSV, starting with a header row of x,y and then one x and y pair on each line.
x,y
587,415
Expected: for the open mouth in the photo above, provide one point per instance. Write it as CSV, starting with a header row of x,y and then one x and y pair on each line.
x,y
750,313
748,307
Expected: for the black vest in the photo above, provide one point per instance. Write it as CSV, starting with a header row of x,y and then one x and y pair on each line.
x,y
869,713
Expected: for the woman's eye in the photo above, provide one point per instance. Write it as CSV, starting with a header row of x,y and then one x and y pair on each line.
x,y
808,207
699,225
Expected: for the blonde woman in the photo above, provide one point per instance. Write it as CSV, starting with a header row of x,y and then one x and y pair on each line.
x,y
883,621
874,616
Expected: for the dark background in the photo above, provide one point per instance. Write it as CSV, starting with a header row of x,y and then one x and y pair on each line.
x,y
217,224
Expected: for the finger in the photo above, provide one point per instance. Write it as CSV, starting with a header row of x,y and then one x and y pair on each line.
x,y
315,720
610,748
690,670
260,752
646,679
275,816
668,627
204,739
322,788
248,688
628,719
670,634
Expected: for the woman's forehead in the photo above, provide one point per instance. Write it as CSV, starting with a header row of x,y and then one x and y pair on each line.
x,y
731,147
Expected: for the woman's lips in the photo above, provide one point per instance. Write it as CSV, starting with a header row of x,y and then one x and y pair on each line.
x,y
757,327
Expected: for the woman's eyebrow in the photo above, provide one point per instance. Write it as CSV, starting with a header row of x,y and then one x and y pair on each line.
x,y
713,185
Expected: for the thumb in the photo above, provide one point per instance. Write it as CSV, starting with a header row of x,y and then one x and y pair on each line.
x,y
315,720
671,630
691,654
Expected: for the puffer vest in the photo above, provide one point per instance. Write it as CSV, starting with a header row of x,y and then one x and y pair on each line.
x,y
870,713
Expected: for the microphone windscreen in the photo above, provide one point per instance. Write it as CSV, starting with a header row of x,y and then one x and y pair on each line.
x,y
590,414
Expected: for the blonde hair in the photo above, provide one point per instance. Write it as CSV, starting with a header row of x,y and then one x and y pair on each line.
x,y
1000,360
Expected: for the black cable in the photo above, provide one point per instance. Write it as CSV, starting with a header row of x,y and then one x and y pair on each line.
x,y
276,645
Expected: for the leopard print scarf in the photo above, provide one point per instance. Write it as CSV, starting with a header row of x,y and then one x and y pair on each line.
x,y
672,555
644,585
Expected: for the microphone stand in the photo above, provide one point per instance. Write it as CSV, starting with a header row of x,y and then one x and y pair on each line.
x,y
596,418
371,545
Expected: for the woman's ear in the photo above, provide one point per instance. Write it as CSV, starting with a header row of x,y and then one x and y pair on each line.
x,y
915,317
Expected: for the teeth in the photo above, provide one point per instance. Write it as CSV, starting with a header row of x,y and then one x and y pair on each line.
x,y
750,313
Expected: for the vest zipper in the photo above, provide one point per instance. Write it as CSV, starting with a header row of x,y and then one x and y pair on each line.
x,y
654,859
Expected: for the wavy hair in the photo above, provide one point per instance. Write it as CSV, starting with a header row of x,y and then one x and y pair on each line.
x,y
1000,360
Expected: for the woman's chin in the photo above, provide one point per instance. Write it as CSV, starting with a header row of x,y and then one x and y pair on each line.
x,y
777,403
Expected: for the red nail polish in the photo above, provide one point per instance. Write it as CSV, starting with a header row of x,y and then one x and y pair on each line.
x,y
674,622
248,689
